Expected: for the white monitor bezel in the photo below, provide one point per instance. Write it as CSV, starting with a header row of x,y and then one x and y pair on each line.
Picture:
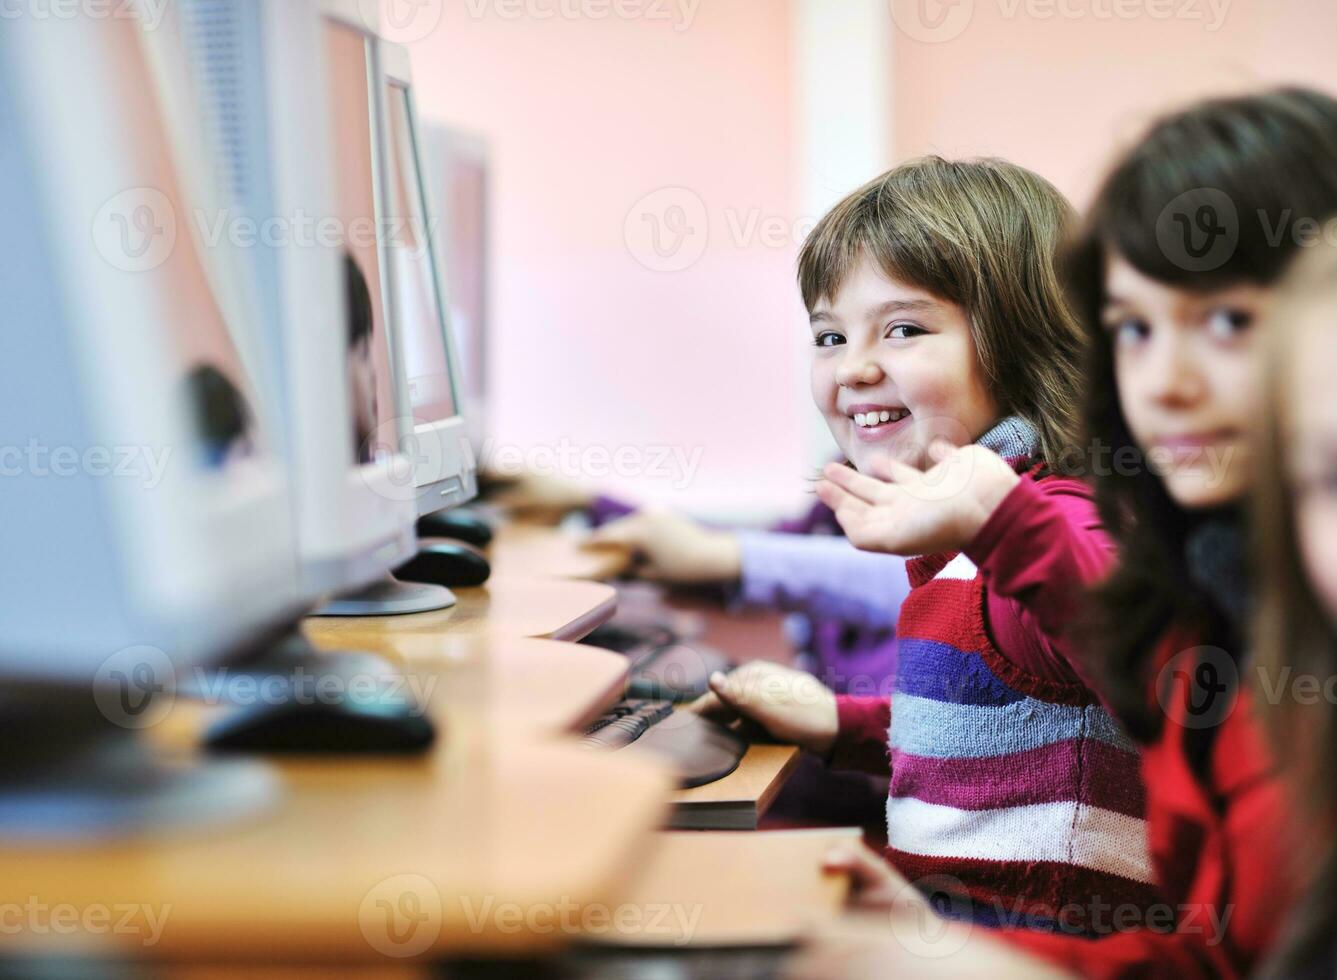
x,y
444,470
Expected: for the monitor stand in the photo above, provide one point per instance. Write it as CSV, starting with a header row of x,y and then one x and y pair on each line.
x,y
71,775
388,597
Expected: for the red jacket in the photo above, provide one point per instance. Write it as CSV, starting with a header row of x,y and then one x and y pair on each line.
x,y
1216,838
1217,848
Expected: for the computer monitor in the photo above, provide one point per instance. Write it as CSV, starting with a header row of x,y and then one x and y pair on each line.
x,y
284,89
432,400
461,164
148,520
373,369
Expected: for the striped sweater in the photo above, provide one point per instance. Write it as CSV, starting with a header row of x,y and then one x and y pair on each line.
x,y
1015,799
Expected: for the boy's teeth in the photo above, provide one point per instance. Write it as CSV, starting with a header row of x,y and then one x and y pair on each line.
x,y
886,416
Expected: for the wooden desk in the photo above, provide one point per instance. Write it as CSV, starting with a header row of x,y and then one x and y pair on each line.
x,y
553,553
508,605
752,787
541,686
456,845
724,889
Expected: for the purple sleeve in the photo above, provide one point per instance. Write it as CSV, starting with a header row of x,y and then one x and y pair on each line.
x,y
1040,550
822,576
605,509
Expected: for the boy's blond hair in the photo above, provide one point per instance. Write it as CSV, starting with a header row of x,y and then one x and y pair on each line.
x,y
983,234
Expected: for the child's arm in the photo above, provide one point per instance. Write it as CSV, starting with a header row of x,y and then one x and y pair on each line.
x,y
1040,551
1039,545
821,575
794,707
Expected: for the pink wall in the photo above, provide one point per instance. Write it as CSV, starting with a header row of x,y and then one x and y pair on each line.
x,y
589,346
1059,94
585,116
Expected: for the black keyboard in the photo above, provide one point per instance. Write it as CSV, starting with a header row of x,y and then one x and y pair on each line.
x,y
701,750
662,666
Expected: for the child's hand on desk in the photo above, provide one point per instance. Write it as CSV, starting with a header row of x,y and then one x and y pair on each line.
x,y
904,944
790,705
874,884
675,549
902,510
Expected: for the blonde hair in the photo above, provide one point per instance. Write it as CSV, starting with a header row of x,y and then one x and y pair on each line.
x,y
983,234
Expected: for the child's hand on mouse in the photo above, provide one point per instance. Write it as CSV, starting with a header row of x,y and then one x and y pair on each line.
x,y
675,549
790,705
901,510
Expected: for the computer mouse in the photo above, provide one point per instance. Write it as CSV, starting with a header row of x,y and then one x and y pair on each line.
x,y
322,728
457,525
447,563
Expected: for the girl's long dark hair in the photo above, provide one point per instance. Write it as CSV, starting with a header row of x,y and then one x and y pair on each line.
x,y
1273,158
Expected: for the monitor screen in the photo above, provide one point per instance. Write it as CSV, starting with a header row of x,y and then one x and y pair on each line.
x,y
216,387
417,294
370,378
463,180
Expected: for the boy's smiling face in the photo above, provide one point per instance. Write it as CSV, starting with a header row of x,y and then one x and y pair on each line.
x,y
895,367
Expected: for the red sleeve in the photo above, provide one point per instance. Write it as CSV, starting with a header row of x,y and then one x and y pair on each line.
x,y
1039,552
861,734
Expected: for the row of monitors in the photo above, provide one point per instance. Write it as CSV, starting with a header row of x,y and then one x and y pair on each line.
x,y
228,328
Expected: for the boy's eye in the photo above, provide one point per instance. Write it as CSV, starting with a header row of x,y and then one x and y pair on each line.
x,y
828,338
904,331
1226,323
1129,332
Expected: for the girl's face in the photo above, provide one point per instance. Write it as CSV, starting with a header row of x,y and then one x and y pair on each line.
x,y
895,368
1311,410
1184,368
